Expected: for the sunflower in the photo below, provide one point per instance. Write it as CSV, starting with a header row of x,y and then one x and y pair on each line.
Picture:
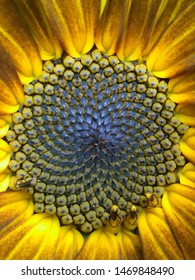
x,y
97,114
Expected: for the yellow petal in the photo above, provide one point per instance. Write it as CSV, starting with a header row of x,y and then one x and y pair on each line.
x,y
11,93
130,244
186,114
187,175
5,154
187,145
35,17
101,245
157,240
69,244
15,208
110,26
4,180
179,206
35,238
5,121
167,13
174,52
137,29
18,42
181,89
74,23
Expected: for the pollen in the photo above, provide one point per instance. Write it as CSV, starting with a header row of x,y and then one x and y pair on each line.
x,y
95,141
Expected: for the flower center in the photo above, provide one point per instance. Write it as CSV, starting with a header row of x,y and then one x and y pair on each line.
x,y
96,140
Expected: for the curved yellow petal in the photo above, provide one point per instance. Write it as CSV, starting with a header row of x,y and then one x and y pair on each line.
x,y
5,121
130,244
181,89
187,175
178,204
35,238
11,93
74,23
187,145
69,244
34,15
186,114
157,240
5,154
167,13
15,208
137,29
18,42
4,180
174,53
101,245
110,26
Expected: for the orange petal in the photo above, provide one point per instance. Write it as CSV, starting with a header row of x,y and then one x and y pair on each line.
x,y
167,13
110,26
69,244
18,42
5,154
174,52
5,121
11,93
187,175
74,23
35,17
137,29
101,245
187,145
179,206
182,88
158,243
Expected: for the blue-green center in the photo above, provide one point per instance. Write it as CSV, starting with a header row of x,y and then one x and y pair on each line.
x,y
95,132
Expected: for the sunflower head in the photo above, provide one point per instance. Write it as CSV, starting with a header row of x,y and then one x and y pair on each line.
x,y
96,129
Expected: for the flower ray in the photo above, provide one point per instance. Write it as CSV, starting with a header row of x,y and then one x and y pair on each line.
x,y
33,13
178,205
74,23
176,46
156,237
18,42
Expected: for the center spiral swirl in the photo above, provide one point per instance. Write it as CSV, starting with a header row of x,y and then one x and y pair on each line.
x,y
95,132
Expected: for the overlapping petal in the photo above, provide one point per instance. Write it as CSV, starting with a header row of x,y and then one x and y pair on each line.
x,y
34,15
130,244
181,89
74,23
179,206
5,155
69,244
4,180
5,121
11,93
174,53
101,245
18,42
20,228
187,145
110,27
156,236
186,114
15,207
137,28
167,13
187,175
